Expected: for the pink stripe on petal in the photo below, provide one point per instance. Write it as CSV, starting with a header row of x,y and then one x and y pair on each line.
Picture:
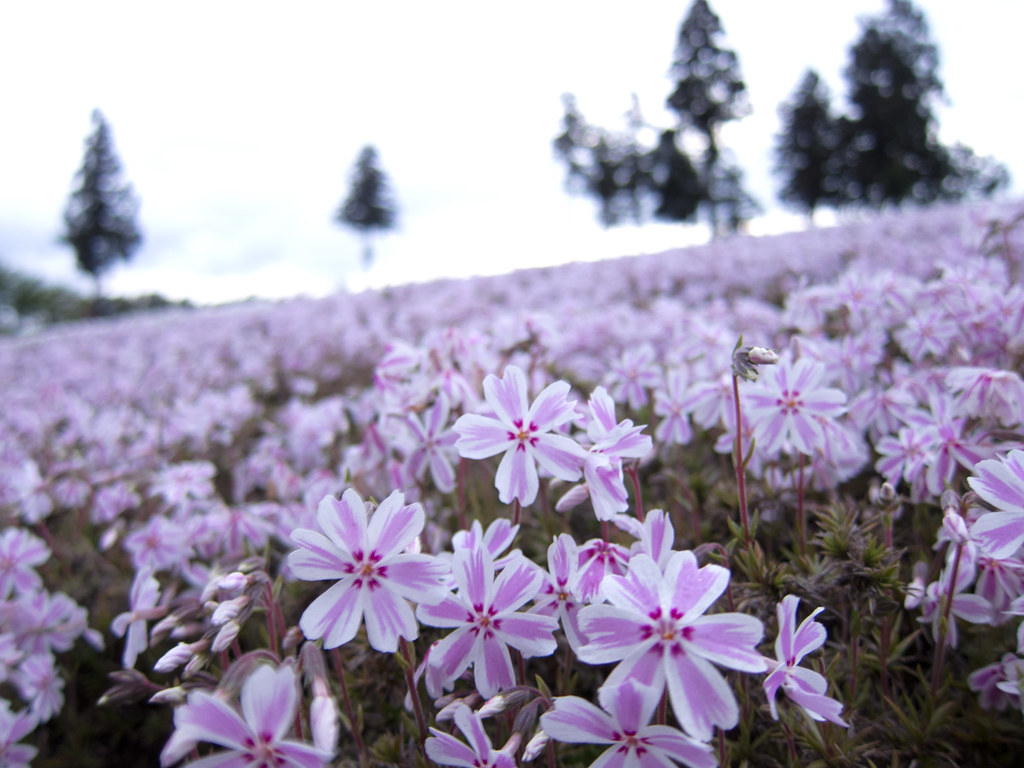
x,y
445,749
551,408
680,748
335,615
603,408
450,612
576,721
437,419
474,575
728,639
388,617
417,577
612,633
318,558
516,478
810,636
394,525
207,718
481,437
562,456
644,666
785,611
453,653
301,755
1000,534
999,485
518,582
630,704
701,698
473,730
442,472
492,667
269,697
696,589
344,521
530,633
507,395
637,591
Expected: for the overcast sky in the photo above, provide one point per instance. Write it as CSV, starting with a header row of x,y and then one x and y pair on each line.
x,y
238,124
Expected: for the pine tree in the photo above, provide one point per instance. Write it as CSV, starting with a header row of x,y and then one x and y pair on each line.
x,y
674,180
892,153
806,150
100,215
709,87
606,165
370,205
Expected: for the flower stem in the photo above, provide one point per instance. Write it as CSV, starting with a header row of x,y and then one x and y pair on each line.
x,y
637,494
947,609
357,737
744,512
421,724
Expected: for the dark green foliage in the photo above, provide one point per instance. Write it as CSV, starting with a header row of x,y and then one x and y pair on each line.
x,y
805,150
674,180
370,205
609,166
709,91
27,301
632,181
99,219
709,87
891,152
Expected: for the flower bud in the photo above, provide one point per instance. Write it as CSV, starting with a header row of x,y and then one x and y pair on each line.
x,y
227,635
745,360
323,721
535,746
174,696
174,658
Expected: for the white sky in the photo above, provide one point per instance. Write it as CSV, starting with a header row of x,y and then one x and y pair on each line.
x,y
238,124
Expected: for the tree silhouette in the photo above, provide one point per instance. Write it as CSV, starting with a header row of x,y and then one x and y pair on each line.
x,y
370,205
631,180
99,219
806,155
709,88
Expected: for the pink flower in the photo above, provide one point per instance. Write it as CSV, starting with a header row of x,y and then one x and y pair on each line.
x,y
375,573
988,393
20,553
633,374
256,737
559,596
484,617
523,433
445,749
14,726
433,445
144,596
656,628
611,443
1000,482
783,405
669,404
804,686
622,724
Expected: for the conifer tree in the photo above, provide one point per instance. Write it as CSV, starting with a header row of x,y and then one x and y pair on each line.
x,y
709,88
370,205
99,219
807,148
892,153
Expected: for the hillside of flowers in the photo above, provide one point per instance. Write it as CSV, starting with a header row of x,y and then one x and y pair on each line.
x,y
758,502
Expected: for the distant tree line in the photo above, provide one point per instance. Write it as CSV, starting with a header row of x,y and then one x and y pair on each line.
x,y
885,151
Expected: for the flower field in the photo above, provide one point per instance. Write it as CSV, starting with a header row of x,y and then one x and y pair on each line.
x,y
759,502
